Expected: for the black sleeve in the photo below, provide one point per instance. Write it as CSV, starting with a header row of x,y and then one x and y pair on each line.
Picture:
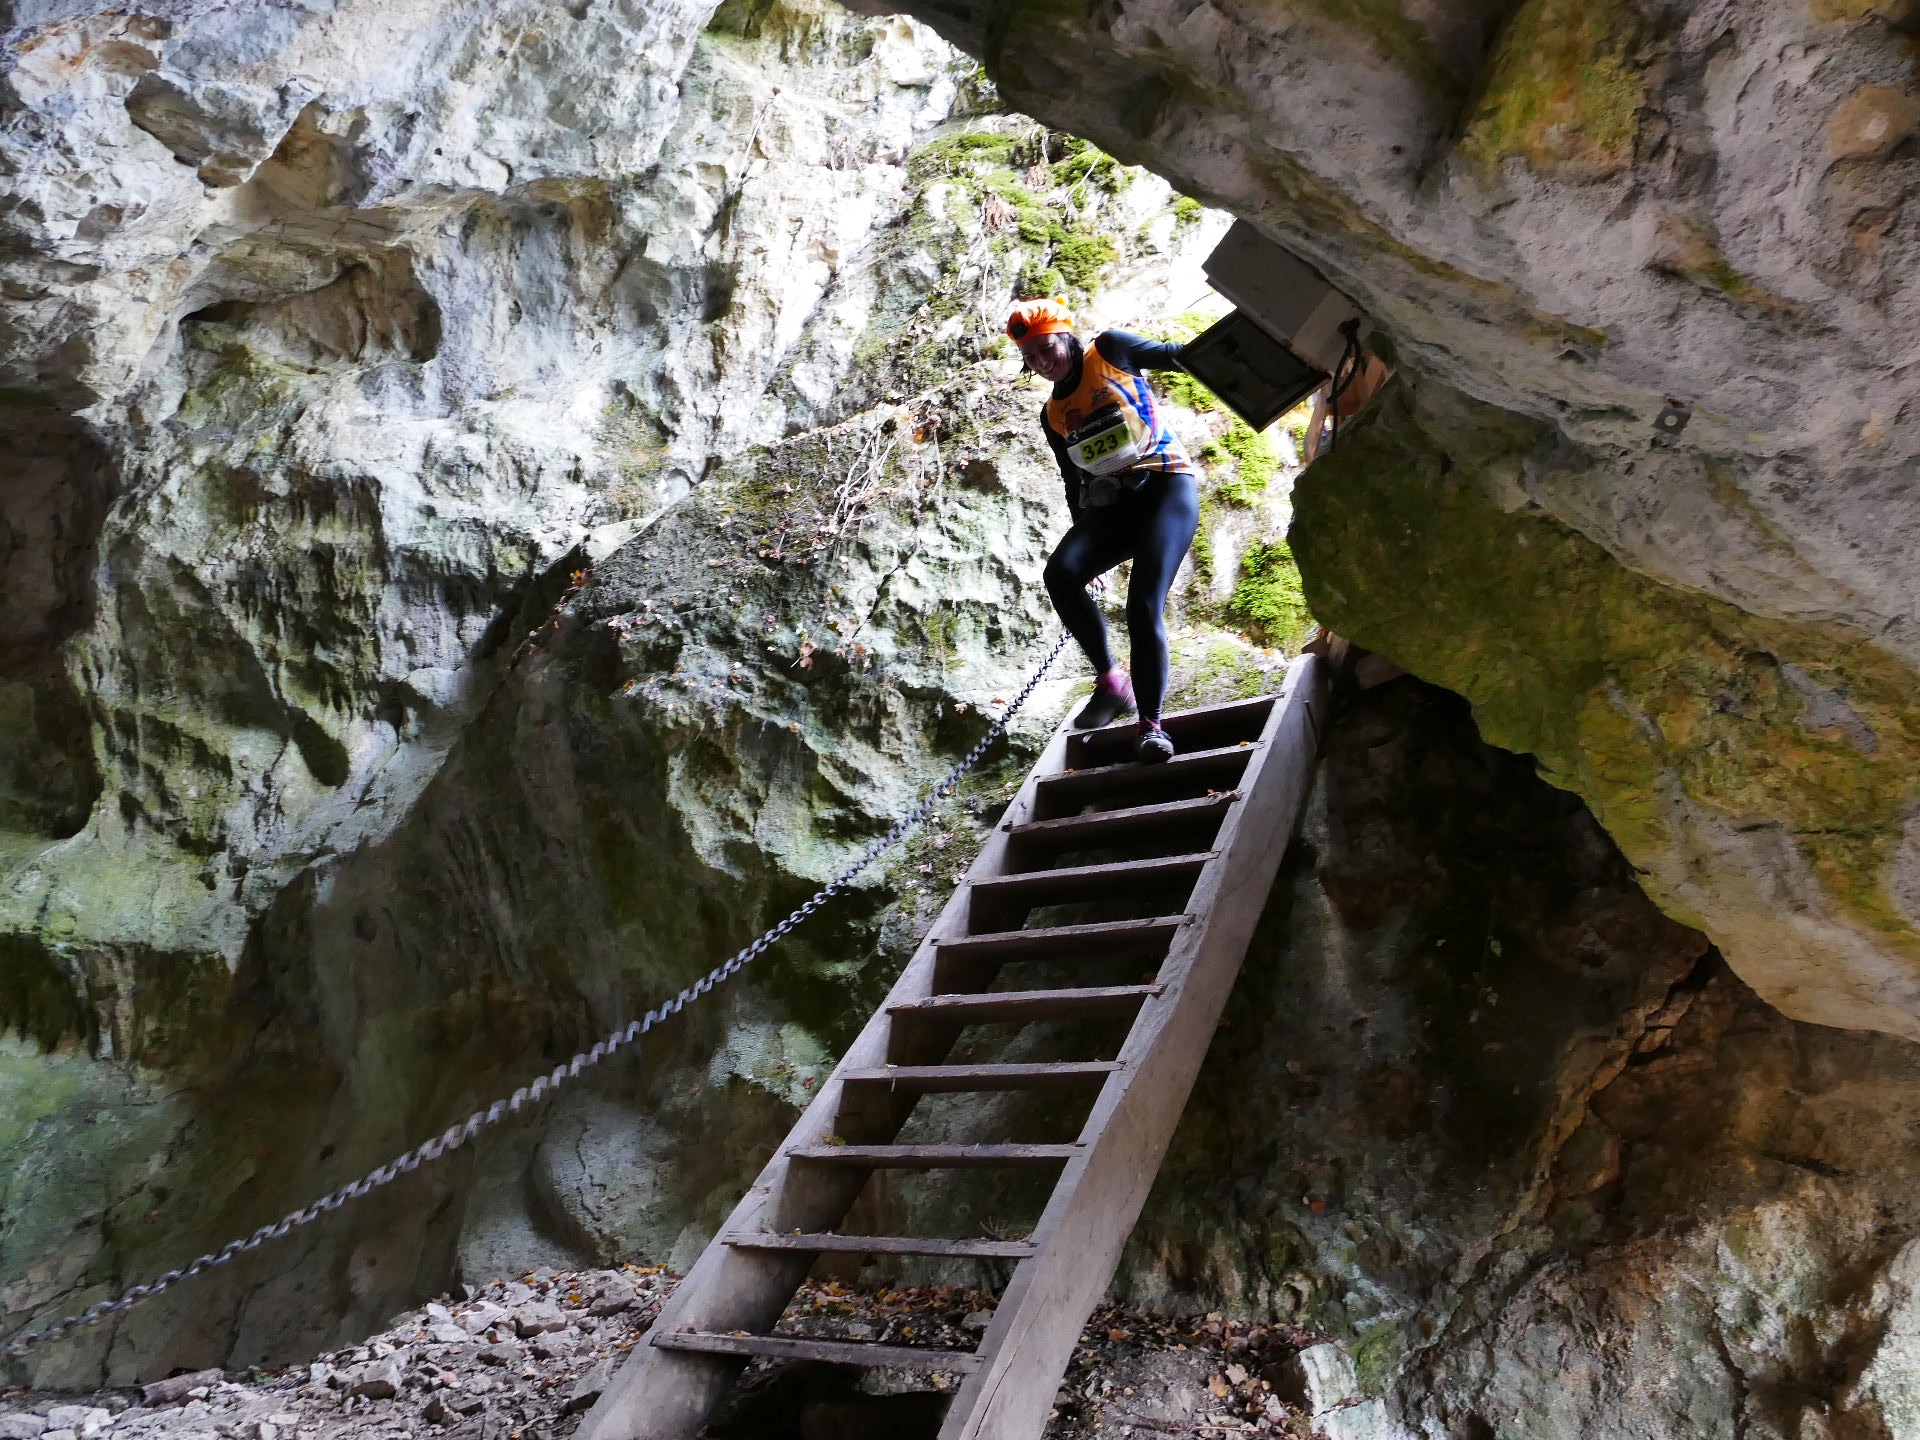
x,y
1136,353
1069,472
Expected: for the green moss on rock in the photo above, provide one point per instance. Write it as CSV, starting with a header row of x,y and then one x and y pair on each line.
x,y
1179,387
1692,251
1081,255
1563,91
1209,668
1243,460
1643,698
956,155
1267,600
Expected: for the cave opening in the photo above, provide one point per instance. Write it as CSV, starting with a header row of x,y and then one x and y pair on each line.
x,y
579,497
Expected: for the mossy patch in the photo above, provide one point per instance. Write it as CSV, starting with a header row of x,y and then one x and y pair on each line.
x,y
1692,251
1081,255
1210,668
1627,690
1002,208
1203,556
1243,462
231,382
958,155
633,445
1181,388
1268,601
1039,282
1376,1357
1087,164
1563,91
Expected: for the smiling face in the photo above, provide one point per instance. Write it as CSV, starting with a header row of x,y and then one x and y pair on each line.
x,y
1049,356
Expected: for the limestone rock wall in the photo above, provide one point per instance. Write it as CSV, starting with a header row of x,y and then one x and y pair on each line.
x,y
1524,1146
507,500
1572,212
363,377
344,345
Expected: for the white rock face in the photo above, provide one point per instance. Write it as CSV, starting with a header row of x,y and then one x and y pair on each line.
x,y
1340,1410
378,312
338,340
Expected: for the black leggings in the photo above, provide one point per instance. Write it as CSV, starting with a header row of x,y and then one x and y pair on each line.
x,y
1151,526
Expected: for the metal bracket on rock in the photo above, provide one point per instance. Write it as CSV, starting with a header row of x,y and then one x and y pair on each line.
x,y
1673,417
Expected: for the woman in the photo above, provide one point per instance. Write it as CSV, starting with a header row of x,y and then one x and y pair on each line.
x,y
1133,494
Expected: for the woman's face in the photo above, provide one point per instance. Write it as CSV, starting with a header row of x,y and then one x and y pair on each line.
x,y
1049,356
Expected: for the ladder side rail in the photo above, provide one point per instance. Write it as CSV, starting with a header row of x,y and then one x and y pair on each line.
x,y
660,1394
1092,1212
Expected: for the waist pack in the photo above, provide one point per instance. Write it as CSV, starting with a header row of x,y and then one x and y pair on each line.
x,y
1098,490
1105,448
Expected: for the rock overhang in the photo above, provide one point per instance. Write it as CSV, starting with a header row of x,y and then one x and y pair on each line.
x,y
1572,214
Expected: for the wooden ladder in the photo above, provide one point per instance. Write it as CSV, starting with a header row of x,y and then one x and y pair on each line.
x,y
1220,813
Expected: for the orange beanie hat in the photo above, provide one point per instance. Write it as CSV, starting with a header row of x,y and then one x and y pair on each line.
x,y
1038,317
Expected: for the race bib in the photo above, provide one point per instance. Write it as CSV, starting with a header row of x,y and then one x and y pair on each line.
x,y
1114,439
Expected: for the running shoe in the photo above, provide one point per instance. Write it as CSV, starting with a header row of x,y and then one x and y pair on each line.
x,y
1112,698
1154,744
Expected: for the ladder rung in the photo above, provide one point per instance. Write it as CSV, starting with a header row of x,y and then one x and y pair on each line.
x,y
831,1244
1207,728
1104,937
935,1157
1202,765
831,1352
1082,880
937,1079
1029,1004
1139,819
861,1132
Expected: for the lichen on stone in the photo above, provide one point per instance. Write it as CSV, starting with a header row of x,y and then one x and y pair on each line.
x,y
1659,706
1564,89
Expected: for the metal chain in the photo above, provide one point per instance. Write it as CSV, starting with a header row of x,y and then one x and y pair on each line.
x,y
454,1136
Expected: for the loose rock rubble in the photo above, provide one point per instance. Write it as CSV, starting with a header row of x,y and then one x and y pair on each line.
x,y
1133,1375
1140,1374
524,1359
519,1357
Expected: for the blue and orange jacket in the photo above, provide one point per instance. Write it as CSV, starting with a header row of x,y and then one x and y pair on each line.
x,y
1112,372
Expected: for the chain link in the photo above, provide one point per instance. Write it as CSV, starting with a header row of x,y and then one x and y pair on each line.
x,y
454,1136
